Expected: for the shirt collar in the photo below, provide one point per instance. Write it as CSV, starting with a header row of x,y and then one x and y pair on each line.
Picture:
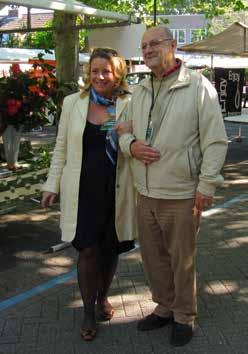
x,y
174,68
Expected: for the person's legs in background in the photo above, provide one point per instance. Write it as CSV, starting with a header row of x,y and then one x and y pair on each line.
x,y
245,96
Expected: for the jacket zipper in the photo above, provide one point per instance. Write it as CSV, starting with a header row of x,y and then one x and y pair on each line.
x,y
147,188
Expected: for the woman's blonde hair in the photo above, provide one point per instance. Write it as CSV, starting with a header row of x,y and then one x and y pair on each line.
x,y
117,63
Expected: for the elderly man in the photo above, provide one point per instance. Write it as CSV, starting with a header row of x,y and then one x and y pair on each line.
x,y
178,147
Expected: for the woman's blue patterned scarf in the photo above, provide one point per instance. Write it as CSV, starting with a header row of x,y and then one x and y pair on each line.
x,y
111,136
103,101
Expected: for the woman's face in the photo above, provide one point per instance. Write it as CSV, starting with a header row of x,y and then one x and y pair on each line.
x,y
102,77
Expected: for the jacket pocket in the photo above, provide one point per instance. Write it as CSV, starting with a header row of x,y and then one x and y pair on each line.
x,y
181,165
195,159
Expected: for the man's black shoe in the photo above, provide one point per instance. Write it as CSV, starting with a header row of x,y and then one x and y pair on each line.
x,y
181,334
153,321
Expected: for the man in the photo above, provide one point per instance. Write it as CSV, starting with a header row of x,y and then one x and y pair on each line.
x,y
178,147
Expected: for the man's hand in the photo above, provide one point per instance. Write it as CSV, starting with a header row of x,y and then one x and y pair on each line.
x,y
47,199
202,202
124,127
143,152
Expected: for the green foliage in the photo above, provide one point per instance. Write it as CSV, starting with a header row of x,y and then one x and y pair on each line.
x,y
215,8
220,23
12,42
207,73
26,42
121,6
39,40
209,8
40,160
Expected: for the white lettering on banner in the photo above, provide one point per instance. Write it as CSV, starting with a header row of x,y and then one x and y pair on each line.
x,y
233,76
237,98
223,94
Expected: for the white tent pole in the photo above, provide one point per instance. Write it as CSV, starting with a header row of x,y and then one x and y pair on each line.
x,y
74,7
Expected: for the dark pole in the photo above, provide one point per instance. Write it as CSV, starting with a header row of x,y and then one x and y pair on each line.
x,y
154,12
29,19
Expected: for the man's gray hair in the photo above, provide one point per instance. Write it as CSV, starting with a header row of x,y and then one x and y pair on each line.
x,y
166,30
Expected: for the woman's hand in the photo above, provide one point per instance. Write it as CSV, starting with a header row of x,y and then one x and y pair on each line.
x,y
124,127
48,199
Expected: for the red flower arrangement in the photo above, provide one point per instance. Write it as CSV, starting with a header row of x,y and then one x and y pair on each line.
x,y
27,97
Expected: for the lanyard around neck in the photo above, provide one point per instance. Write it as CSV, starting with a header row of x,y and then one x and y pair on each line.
x,y
154,98
149,129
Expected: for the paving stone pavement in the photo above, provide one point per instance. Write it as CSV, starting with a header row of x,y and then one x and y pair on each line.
x,y
49,323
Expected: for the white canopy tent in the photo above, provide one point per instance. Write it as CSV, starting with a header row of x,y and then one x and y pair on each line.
x,y
232,41
70,6
195,60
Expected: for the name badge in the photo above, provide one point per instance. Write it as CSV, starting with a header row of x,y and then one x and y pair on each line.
x,y
108,125
149,132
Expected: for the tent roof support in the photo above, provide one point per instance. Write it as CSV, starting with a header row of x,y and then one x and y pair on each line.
x,y
73,7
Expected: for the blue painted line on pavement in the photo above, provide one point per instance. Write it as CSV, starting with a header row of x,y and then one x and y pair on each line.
x,y
64,278
36,290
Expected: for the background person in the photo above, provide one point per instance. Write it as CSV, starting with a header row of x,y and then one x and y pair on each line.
x,y
95,184
245,95
178,147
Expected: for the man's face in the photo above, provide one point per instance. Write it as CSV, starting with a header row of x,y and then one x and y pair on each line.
x,y
157,48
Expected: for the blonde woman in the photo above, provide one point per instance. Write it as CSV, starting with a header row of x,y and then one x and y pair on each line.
x,y
95,184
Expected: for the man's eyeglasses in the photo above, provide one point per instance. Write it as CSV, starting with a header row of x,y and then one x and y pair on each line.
x,y
154,43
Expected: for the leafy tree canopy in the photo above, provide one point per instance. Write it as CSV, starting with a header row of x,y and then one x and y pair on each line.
x,y
219,23
210,8
40,40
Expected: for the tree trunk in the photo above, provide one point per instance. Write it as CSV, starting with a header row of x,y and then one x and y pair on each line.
x,y
66,50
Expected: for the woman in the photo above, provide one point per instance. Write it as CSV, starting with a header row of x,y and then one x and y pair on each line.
x,y
97,197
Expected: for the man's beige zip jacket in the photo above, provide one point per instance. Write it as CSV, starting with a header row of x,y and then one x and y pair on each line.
x,y
192,139
64,173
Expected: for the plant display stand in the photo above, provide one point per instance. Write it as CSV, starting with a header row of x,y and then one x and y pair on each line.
x,y
11,142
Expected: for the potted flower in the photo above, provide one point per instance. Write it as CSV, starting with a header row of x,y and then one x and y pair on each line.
x,y
25,102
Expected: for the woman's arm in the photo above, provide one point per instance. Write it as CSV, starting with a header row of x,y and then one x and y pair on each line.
x,y
60,152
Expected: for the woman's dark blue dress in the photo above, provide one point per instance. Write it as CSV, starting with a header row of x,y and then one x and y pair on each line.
x,y
96,205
